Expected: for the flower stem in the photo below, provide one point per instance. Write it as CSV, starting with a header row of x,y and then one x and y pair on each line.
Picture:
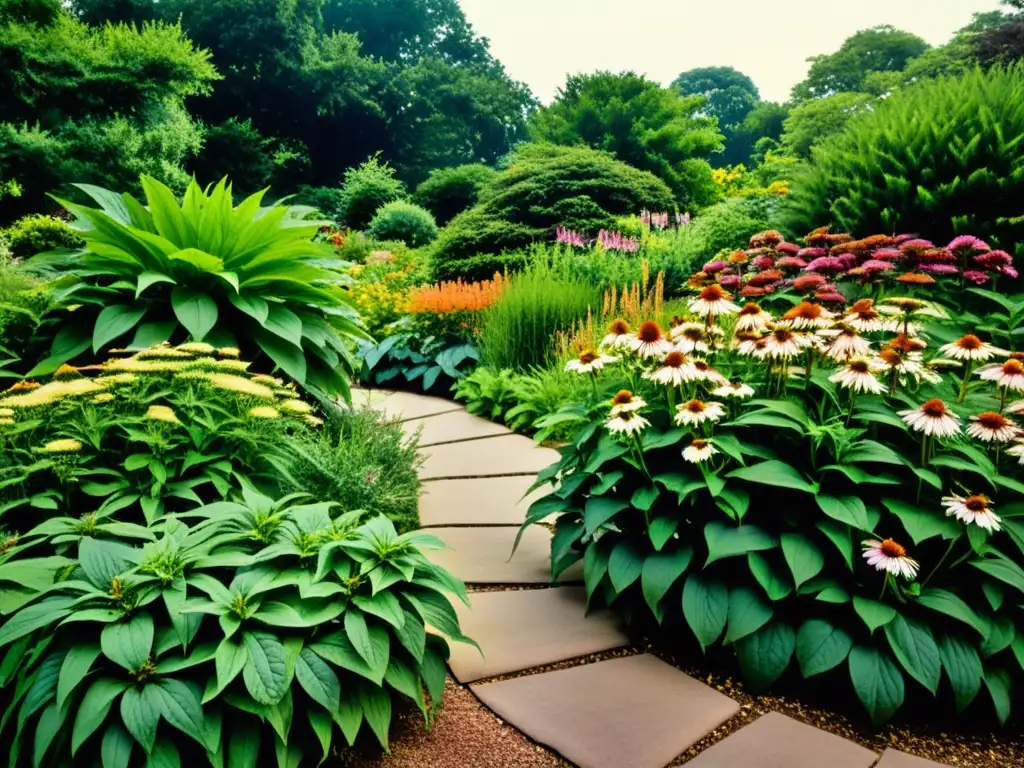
x,y
963,384
941,560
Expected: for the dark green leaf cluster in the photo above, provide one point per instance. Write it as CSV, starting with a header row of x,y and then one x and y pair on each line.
x,y
365,190
405,222
410,359
447,192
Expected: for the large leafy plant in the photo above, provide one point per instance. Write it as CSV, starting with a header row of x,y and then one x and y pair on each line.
x,y
733,491
244,276
242,630
411,358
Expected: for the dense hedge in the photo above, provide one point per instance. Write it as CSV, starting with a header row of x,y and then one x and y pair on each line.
x,y
544,187
447,192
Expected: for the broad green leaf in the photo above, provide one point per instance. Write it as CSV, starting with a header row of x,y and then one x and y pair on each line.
x,y
948,604
140,713
644,498
195,310
47,728
923,524
771,579
877,681
915,648
317,679
803,557
963,668
252,305
765,654
873,452
146,279
728,541
76,666
128,643
35,617
1002,569
244,744
180,706
998,683
376,706
747,614
660,571
284,323
776,473
288,357
661,529
839,535
383,605
706,608
845,509
599,510
164,755
624,566
113,322
265,668
873,613
116,748
820,646
1000,633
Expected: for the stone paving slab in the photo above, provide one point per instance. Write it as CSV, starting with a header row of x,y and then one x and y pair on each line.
x,y
777,741
528,628
633,712
481,555
452,428
893,759
406,405
369,398
477,501
504,455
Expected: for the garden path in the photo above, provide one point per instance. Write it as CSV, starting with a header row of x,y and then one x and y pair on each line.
x,y
628,709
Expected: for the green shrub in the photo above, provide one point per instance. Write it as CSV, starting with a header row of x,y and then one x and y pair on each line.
x,y
545,187
326,200
447,192
406,222
730,225
488,392
410,358
23,300
519,330
30,235
241,276
941,157
365,189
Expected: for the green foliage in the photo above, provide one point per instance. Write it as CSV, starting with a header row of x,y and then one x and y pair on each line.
x,y
241,276
403,221
235,148
1001,42
411,359
23,300
701,80
730,224
326,201
447,192
811,122
519,330
30,235
640,123
940,157
730,96
762,123
879,49
365,190
544,187
488,392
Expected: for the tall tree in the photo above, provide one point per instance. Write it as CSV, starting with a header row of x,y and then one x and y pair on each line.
x,y
707,79
647,126
879,49
816,119
729,96
1002,43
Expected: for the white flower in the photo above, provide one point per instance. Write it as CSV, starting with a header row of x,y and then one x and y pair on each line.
x,y
650,341
626,402
713,300
1009,374
735,389
698,451
698,411
672,372
889,556
975,510
863,317
970,347
752,319
618,335
1017,450
626,422
846,345
689,338
589,362
992,427
781,344
859,376
932,418
807,314
700,370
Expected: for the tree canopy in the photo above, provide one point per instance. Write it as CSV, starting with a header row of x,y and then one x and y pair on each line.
x,y
812,121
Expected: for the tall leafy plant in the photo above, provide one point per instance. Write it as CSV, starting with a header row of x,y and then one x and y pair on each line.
x,y
245,276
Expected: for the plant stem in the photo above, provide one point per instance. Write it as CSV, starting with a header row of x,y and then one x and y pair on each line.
x,y
963,385
941,560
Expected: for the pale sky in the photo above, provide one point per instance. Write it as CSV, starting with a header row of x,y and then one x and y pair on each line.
x,y
540,41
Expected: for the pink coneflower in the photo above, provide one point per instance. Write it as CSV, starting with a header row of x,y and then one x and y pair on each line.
x,y
889,556
876,265
618,335
1010,272
713,301
858,375
627,423
752,318
887,254
650,341
790,249
812,253
830,297
937,256
700,370
810,282
790,262
1009,374
671,372
589,362
698,411
976,276
967,243
763,262
932,418
729,281
766,278
826,264
915,244
807,314
781,344
847,344
992,428
626,402
972,510
994,261
754,291
863,317
939,269
699,451
714,266
766,238
970,347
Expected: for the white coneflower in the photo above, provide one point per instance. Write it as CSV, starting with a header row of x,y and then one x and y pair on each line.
x,y
689,338
626,422
890,361
976,510
970,347
618,335
626,402
671,372
932,418
1017,406
859,376
889,556
698,451
589,362
752,319
846,344
781,344
992,428
713,301
807,314
735,389
1009,374
863,317
700,370
1017,450
650,341
746,343
698,411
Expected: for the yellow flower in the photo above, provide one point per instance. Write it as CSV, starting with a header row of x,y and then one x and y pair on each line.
x,y
6,422
229,352
103,397
162,413
197,348
264,412
162,353
312,420
66,371
240,384
297,406
262,378
116,379
6,413
135,365
61,446
50,393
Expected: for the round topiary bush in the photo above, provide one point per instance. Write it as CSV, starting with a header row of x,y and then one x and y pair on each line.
x,y
408,222
34,234
448,192
366,188
942,157
545,187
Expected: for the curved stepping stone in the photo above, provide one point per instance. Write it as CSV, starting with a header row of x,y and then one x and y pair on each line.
x,y
481,556
495,456
477,501
528,628
634,712
452,427
893,759
777,741
405,405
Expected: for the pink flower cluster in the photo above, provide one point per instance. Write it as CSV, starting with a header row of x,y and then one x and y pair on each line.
x,y
569,237
661,220
616,241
